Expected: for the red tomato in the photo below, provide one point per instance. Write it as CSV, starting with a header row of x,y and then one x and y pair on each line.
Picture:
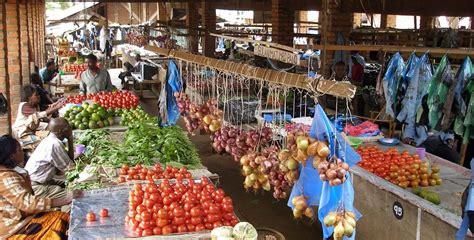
x,y
167,230
160,222
212,218
178,212
227,208
178,221
190,227
214,209
104,212
147,232
156,231
200,227
163,214
182,228
90,216
195,220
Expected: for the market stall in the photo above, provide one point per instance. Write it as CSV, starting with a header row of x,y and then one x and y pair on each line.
x,y
404,214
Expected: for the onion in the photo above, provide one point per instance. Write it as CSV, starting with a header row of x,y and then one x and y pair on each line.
x,y
330,219
247,170
341,173
283,155
297,213
338,230
323,150
244,160
253,177
335,182
331,174
345,166
312,149
291,164
299,203
308,212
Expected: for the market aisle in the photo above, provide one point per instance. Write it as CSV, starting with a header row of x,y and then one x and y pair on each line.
x,y
261,210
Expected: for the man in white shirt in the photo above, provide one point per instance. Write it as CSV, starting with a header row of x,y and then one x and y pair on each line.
x,y
50,159
94,79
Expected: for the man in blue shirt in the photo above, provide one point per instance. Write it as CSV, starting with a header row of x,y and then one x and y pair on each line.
x,y
48,73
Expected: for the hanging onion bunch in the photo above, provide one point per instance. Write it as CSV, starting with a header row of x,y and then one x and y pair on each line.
x,y
192,121
183,102
344,223
254,166
213,120
301,207
333,171
238,142
285,176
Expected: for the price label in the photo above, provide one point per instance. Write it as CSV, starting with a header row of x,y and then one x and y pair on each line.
x,y
397,210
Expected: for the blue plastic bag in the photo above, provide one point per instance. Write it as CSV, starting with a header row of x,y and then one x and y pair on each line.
x,y
173,84
391,78
309,184
463,75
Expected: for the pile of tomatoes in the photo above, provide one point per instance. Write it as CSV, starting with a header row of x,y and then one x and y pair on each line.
x,y
181,207
402,169
117,99
138,172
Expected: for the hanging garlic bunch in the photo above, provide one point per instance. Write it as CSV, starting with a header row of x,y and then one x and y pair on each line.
x,y
344,223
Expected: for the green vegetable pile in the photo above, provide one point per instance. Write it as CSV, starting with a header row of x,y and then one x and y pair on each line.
x,y
135,117
145,144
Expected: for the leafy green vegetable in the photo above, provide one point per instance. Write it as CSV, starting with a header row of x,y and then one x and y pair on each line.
x,y
145,144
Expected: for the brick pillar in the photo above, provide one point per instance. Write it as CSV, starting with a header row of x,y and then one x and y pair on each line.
x,y
162,11
22,32
209,24
426,22
192,21
5,120
333,21
383,21
282,22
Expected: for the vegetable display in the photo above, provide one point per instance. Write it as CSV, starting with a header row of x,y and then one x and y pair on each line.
x,y
138,172
88,116
181,207
145,145
403,169
134,117
117,99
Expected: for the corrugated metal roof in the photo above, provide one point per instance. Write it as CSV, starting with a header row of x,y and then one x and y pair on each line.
x,y
71,11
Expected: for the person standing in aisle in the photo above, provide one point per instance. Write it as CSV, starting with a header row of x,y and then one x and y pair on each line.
x,y
48,73
94,79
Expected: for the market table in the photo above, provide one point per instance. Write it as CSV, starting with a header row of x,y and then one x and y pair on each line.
x,y
390,212
115,199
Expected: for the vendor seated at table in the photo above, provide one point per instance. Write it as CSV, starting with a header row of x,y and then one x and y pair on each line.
x,y
48,73
23,215
51,159
94,79
439,144
30,123
45,97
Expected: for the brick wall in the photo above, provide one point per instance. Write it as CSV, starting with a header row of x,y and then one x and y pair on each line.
x,y
192,21
22,29
282,22
209,23
336,21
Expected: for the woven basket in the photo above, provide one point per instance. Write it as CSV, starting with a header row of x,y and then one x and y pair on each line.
x,y
269,234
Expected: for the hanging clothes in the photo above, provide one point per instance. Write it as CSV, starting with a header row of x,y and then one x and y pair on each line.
x,y
418,78
391,78
438,90
405,81
464,126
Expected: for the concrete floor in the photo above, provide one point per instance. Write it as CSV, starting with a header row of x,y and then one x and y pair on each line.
x,y
261,209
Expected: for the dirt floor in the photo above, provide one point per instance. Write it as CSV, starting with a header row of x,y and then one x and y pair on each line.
x,y
261,209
